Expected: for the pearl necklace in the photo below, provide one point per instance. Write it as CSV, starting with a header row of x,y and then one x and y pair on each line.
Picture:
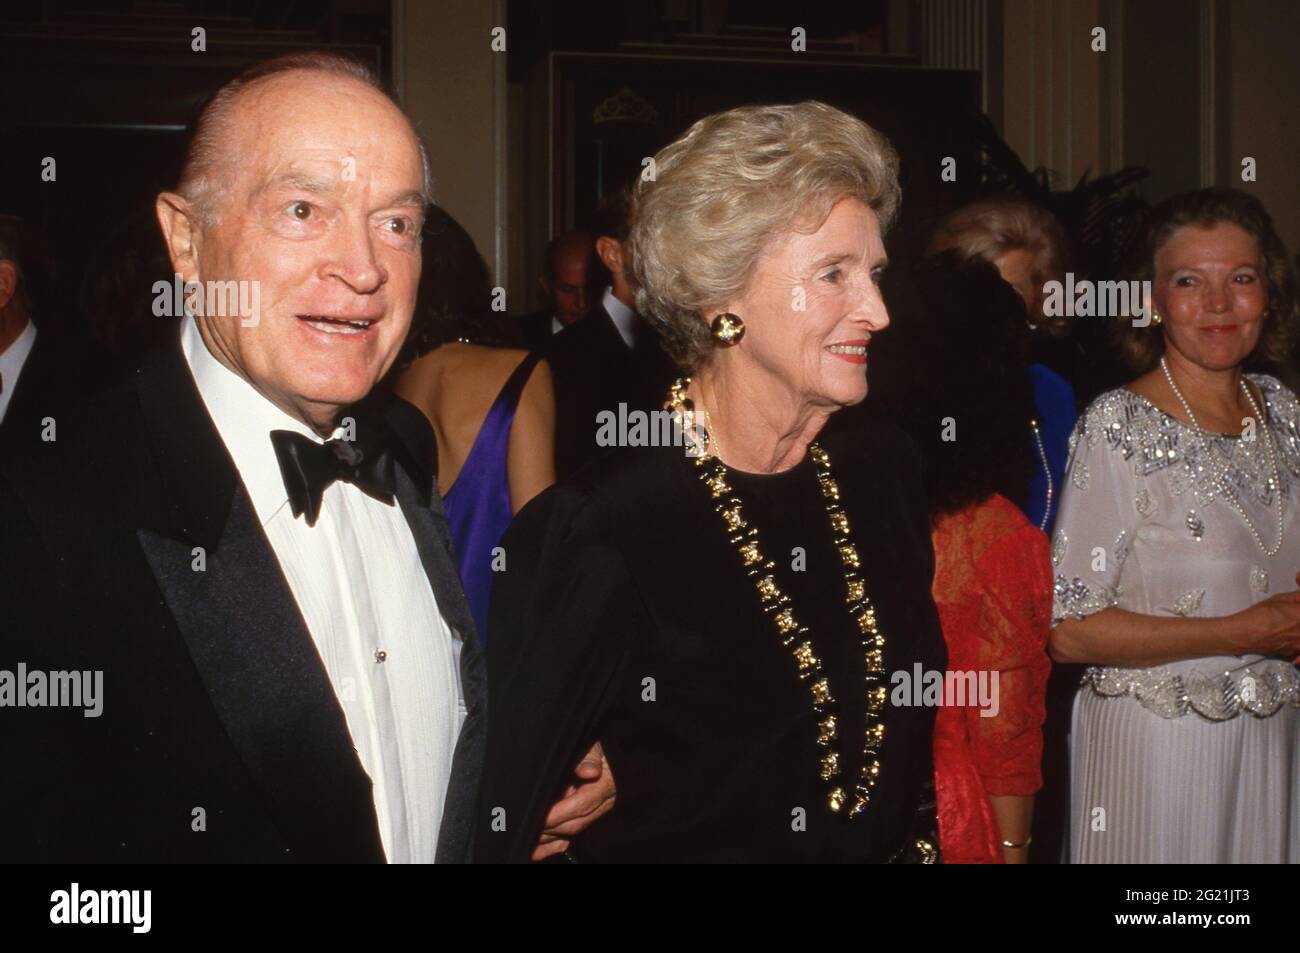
x,y
1047,471
793,634
1275,481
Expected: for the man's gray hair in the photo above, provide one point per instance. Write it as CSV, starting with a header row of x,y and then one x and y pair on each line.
x,y
202,175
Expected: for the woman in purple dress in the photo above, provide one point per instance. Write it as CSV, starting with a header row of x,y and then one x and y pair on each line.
x,y
493,411
491,406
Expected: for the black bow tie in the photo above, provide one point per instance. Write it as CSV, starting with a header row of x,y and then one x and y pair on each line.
x,y
309,467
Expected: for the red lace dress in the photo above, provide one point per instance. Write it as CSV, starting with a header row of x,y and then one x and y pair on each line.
x,y
993,588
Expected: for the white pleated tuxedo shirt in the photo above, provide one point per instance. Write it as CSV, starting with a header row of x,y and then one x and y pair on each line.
x,y
363,593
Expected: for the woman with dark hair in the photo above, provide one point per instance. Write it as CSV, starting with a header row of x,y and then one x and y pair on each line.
x,y
491,404
993,577
1175,552
1026,245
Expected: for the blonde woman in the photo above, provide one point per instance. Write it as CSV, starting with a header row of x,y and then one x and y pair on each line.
x,y
725,624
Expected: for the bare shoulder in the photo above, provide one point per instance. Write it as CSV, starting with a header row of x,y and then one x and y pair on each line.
x,y
540,386
478,359
427,369
470,367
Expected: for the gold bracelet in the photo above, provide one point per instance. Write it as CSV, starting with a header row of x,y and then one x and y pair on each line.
x,y
1027,842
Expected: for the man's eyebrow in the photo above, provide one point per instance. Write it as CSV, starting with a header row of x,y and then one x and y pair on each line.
x,y
317,185
301,181
407,198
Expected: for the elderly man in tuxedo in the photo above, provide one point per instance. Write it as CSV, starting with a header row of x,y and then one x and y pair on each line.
x,y
254,559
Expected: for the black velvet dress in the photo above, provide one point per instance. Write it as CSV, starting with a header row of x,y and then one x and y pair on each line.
x,y
625,615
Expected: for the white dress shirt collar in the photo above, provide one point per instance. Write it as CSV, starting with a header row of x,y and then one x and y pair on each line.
x,y
624,317
244,419
11,364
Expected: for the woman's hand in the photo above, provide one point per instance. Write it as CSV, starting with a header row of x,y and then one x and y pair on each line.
x,y
1271,627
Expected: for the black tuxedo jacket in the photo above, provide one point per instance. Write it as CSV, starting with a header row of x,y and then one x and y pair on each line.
x,y
51,375
220,738
593,369
535,329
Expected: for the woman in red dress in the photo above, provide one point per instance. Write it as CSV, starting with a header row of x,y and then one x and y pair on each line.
x,y
993,588
993,576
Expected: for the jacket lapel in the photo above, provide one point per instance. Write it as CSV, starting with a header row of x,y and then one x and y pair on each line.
x,y
416,476
640,374
245,633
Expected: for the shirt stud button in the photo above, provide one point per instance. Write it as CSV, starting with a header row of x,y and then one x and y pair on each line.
x,y
380,655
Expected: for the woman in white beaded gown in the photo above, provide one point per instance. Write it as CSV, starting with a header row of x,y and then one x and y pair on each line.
x,y
1177,551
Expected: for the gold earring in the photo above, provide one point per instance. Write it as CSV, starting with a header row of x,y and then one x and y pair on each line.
x,y
727,329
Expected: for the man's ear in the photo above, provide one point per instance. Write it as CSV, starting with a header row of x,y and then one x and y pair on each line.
x,y
610,251
8,282
182,233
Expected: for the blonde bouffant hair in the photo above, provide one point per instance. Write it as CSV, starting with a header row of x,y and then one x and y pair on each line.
x,y
988,229
715,199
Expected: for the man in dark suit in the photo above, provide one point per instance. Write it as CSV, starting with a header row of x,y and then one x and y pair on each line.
x,y
227,638
611,357
565,281
28,364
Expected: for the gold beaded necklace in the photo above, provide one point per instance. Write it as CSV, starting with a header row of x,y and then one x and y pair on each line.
x,y
794,635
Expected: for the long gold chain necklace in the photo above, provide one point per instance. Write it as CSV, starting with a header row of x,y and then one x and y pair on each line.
x,y
793,634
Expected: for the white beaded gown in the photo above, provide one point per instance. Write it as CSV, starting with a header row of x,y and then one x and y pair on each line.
x,y
1196,761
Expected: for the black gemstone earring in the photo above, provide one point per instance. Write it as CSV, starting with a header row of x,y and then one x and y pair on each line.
x,y
727,329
